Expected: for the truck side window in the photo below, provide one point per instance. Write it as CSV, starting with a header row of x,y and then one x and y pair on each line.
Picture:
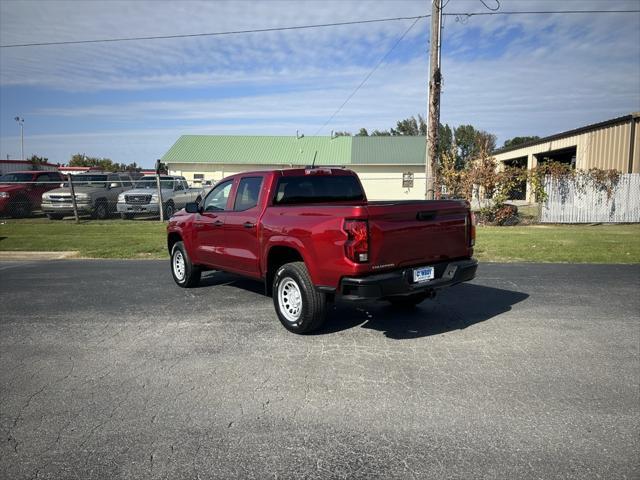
x,y
248,193
217,198
126,180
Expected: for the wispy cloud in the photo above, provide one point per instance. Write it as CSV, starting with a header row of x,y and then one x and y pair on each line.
x,y
510,75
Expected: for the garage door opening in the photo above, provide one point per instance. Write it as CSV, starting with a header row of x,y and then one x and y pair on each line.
x,y
566,156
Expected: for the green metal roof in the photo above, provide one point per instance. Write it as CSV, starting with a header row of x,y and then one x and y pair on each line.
x,y
289,150
259,150
397,150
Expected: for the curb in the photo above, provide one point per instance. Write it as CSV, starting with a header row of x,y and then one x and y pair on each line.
x,y
7,255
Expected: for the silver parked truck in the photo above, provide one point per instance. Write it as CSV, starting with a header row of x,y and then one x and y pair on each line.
x,y
143,199
96,195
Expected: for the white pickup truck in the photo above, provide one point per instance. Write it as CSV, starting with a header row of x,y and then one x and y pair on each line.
x,y
143,199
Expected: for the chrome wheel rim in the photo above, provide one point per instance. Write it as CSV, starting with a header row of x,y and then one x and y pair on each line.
x,y
178,265
290,299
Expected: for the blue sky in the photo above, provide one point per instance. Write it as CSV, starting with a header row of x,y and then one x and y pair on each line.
x,y
511,75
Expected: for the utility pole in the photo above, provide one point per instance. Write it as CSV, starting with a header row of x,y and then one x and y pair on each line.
x,y
20,121
73,198
433,122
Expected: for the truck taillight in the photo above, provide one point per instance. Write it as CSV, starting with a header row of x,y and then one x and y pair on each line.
x,y
357,245
472,239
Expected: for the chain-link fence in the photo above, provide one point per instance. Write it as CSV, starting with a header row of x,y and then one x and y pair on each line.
x,y
94,195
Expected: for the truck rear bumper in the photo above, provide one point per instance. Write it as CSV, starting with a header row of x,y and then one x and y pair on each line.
x,y
400,282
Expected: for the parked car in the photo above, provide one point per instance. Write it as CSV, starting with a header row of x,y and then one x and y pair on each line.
x,y
96,195
21,192
311,235
143,199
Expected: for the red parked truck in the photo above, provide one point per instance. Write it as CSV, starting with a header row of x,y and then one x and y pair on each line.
x,y
21,192
311,235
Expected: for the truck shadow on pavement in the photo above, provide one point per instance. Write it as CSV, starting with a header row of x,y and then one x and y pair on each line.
x,y
218,279
455,308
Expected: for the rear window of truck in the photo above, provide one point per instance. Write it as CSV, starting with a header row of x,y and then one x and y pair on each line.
x,y
318,189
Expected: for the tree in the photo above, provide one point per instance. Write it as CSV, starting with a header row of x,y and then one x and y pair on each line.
x,y
106,164
81,160
470,143
512,142
36,161
362,133
410,126
381,133
342,134
445,139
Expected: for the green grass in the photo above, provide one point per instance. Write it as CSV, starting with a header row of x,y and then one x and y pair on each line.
x,y
147,239
560,243
91,238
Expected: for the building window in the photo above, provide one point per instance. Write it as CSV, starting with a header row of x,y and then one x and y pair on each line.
x,y
198,178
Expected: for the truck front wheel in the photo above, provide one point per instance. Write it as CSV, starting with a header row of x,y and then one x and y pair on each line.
x,y
299,305
185,273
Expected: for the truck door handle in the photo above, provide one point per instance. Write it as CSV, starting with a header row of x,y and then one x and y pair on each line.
x,y
218,223
248,225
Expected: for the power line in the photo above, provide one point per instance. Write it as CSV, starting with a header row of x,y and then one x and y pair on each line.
x,y
497,7
303,27
537,12
214,34
370,73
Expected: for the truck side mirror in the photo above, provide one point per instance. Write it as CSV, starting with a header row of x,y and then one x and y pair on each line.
x,y
192,207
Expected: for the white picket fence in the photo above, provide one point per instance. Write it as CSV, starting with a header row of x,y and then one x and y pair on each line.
x,y
568,204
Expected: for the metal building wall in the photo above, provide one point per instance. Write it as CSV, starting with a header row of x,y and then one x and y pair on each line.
x,y
605,148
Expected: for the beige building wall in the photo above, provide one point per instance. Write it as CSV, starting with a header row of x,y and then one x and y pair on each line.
x,y
606,148
381,182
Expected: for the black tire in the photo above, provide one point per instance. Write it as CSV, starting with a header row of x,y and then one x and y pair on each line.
x,y
126,216
169,210
408,301
101,210
54,216
309,314
190,276
20,208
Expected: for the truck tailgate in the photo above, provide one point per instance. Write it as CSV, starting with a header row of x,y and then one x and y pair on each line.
x,y
417,232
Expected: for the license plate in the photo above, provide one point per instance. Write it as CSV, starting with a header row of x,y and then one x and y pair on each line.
x,y
423,274
137,209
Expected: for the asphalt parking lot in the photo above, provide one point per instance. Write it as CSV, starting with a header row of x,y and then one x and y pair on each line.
x,y
108,370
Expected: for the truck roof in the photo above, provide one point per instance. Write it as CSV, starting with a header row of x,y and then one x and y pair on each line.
x,y
32,171
298,171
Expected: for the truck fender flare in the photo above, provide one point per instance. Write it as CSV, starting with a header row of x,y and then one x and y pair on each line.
x,y
288,242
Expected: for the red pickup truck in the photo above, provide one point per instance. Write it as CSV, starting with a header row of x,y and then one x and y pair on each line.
x,y
21,192
311,235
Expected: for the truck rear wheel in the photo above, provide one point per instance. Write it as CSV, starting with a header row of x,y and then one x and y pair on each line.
x,y
299,305
169,210
101,210
184,273
20,208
